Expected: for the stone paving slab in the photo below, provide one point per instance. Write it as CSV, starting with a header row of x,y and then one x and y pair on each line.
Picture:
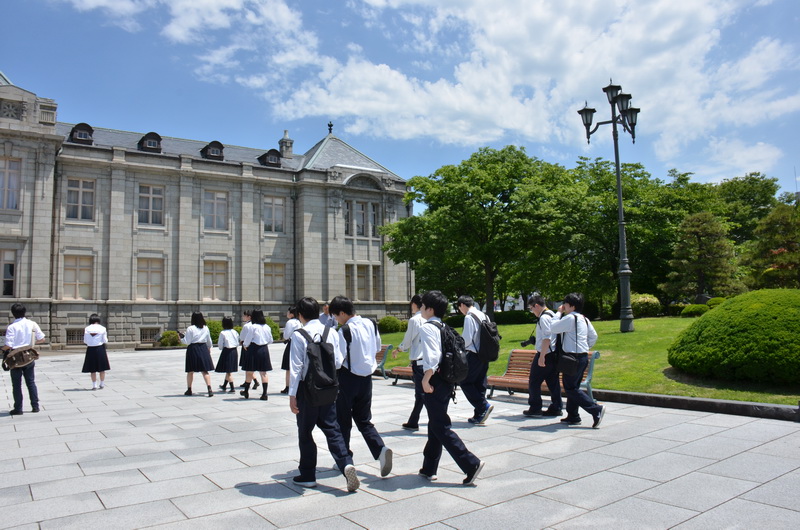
x,y
139,454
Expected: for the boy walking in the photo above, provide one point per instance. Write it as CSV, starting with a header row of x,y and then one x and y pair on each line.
x,y
437,398
474,386
361,342
411,345
309,416
18,334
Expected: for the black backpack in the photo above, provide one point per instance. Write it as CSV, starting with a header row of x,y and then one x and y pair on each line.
x,y
321,383
490,339
453,366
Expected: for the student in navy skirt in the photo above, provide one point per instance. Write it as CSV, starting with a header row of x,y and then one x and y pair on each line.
x,y
257,343
198,352
96,360
247,327
292,325
228,344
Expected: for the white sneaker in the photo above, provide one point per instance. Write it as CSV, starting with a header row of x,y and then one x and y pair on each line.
x,y
352,478
94,386
385,460
102,384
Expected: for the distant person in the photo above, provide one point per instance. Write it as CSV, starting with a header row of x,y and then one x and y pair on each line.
x,y
543,367
258,360
360,342
309,416
326,318
228,344
438,393
247,327
198,352
19,334
411,344
96,360
474,386
577,335
292,325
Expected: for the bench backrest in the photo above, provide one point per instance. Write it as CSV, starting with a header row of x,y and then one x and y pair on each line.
x,y
519,363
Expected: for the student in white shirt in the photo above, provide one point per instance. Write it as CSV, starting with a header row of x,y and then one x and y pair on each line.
x,y
292,325
96,360
474,386
412,346
360,340
18,334
198,352
247,327
257,343
309,416
228,344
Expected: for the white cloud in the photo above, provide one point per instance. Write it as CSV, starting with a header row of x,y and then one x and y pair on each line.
x,y
120,12
730,157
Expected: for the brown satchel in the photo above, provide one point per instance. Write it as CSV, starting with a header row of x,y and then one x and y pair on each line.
x,y
22,356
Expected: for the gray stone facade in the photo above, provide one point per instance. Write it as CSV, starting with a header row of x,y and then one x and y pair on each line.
x,y
144,230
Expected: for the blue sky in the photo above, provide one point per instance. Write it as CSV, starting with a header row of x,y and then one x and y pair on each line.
x,y
418,84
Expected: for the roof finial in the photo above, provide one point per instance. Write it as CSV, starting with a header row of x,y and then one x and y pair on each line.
x,y
330,127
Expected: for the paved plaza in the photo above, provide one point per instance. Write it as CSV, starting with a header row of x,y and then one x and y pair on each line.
x,y
140,454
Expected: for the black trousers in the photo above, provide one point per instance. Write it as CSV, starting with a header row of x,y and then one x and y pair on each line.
x,y
324,418
30,381
419,401
474,386
354,405
548,374
440,432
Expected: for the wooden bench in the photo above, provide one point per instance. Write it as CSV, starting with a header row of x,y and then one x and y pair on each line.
x,y
519,371
386,350
403,372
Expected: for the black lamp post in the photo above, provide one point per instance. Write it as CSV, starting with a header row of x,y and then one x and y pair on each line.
x,y
627,118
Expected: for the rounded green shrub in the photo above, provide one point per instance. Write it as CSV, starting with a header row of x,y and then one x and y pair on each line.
x,y
714,302
455,321
276,330
389,324
170,338
404,325
214,329
675,310
752,337
645,305
694,310
513,317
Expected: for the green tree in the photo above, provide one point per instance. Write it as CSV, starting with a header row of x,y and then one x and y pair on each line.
x,y
746,200
703,259
774,257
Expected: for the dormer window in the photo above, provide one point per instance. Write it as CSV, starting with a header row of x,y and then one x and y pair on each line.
x,y
150,142
270,158
213,151
82,134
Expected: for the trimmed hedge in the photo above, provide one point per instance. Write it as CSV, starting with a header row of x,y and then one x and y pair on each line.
x,y
675,310
714,302
389,324
455,321
214,329
694,310
752,337
513,317
645,305
170,338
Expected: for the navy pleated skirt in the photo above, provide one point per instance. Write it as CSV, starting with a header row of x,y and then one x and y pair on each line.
x,y
198,358
285,359
96,360
227,361
257,358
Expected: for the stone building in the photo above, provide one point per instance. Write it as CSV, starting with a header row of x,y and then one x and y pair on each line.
x,y
144,229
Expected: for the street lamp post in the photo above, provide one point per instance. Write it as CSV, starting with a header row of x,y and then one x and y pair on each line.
x,y
627,118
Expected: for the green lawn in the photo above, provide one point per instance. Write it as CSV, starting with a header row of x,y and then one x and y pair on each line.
x,y
637,362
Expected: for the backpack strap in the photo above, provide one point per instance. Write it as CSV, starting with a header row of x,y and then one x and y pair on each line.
x,y
348,338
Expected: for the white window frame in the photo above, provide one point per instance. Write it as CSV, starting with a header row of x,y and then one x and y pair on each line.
x,y
215,208
8,266
151,197
10,180
274,215
82,191
215,279
81,282
274,281
150,277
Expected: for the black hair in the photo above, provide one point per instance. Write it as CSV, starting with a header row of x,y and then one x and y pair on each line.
x,y
537,299
258,317
198,320
94,318
308,308
292,311
575,300
18,310
466,300
341,304
247,313
435,300
416,300
227,323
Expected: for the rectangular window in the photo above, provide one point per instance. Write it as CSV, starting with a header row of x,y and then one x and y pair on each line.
x,y
80,199
274,281
151,205
215,280
9,183
361,278
78,276
8,260
361,219
215,210
349,282
376,283
274,214
148,334
149,279
348,217
374,224
74,336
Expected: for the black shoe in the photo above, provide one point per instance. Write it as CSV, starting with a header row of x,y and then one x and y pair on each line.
x,y
210,393
188,392
304,482
571,421
232,390
426,476
599,418
223,386
409,427
470,480
255,384
15,413
263,397
285,390
35,409
246,391
532,413
554,413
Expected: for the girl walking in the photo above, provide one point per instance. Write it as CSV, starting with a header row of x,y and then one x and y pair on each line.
x,y
228,344
198,352
257,344
96,360
292,325
247,327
